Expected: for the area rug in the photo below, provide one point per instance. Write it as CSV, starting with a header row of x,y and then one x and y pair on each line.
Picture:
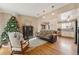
x,y
35,42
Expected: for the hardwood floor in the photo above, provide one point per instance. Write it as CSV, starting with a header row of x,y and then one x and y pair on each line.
x,y
63,46
5,51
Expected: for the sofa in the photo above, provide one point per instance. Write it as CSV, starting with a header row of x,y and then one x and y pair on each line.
x,y
48,35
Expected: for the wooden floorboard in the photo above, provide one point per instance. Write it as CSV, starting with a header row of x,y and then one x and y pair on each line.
x,y
63,46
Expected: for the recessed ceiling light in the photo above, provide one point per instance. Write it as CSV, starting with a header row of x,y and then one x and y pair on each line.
x,y
44,11
43,17
52,6
53,13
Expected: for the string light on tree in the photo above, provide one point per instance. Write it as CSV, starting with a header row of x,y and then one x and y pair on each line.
x,y
12,26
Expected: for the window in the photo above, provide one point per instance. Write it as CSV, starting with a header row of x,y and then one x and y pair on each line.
x,y
66,25
65,18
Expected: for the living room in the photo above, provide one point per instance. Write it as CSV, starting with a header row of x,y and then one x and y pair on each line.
x,y
46,20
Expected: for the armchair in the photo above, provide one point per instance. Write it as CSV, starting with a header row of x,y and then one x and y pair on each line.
x,y
18,45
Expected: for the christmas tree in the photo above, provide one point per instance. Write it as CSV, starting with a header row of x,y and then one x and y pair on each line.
x,y
12,26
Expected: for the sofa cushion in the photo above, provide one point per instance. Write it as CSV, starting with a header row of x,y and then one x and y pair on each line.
x,y
48,35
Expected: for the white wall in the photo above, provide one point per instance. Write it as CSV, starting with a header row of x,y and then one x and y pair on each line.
x,y
27,20
52,21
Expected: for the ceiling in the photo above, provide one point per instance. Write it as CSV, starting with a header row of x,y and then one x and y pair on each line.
x,y
31,9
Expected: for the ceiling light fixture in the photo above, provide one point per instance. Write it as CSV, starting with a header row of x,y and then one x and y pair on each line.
x,y
53,13
43,17
44,11
52,6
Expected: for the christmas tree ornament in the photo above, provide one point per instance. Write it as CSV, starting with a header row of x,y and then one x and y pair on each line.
x,y
12,26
